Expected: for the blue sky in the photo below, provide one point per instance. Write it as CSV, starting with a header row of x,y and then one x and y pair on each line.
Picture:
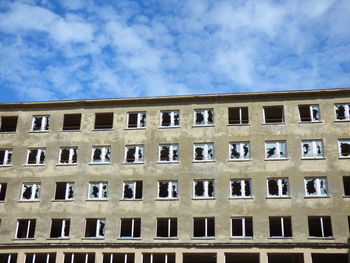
x,y
87,49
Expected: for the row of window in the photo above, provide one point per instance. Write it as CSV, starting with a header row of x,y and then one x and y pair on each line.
x,y
203,227
202,117
133,190
171,152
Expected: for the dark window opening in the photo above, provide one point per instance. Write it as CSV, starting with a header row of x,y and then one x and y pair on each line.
x,y
8,258
79,258
158,258
5,157
199,258
273,187
60,228
132,120
167,227
199,188
130,227
340,112
285,258
344,149
164,153
103,121
40,258
320,226
163,189
118,257
130,154
8,123
327,258
242,258
36,156
95,227
242,227
309,113
71,122
166,119
204,227
346,184
64,191
280,227
26,228
274,114
3,188
238,115
136,120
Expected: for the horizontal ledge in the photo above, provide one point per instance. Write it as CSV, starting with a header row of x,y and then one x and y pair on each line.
x,y
245,124
168,127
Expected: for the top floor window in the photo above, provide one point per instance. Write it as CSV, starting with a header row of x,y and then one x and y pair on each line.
x,y
342,112
274,114
170,119
238,115
103,121
136,119
8,123
40,123
204,117
309,113
71,122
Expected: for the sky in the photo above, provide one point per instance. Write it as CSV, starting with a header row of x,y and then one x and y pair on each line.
x,y
90,49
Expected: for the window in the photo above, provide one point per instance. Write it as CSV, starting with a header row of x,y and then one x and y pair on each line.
x,y
204,227
238,115
136,119
79,258
130,228
280,226
118,258
5,157
30,192
342,112
169,118
241,188
344,148
169,153
166,227
276,150
274,114
71,122
203,189
95,227
204,117
68,155
278,187
36,156
242,227
101,154
8,258
64,191
239,151
167,189
60,228
158,258
8,123
346,184
3,188
132,190
316,186
25,228
320,226
312,149
134,154
103,121
40,123
309,113
40,258
204,152
98,190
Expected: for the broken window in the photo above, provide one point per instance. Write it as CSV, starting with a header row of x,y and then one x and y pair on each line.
x,y
278,187
68,155
204,117
103,121
71,122
204,227
274,114
136,119
169,118
312,149
346,184
309,113
239,151
98,190
158,258
280,226
132,190
5,157
241,188
25,228
203,189
79,258
36,156
64,191
320,226
8,258
166,227
8,123
169,153
3,188
344,148
238,115
40,123
134,154
276,150
95,227
60,228
167,189
118,258
130,227
316,186
40,258
342,112
242,227
204,152
30,192
101,154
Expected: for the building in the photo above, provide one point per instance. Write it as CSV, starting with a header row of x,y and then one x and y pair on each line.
x,y
234,178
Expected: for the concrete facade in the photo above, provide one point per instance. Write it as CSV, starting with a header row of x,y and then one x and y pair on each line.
x,y
296,205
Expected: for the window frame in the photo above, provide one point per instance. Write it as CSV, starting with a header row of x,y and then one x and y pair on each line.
x,y
244,227
101,191
242,185
205,117
311,108
98,228
274,122
3,191
105,150
280,187
7,153
206,236
313,149
132,228
240,116
171,183
322,224
346,112
205,190
340,141
133,189
278,150
70,157
36,188
172,114
29,223
43,123
170,221
283,224
138,120
66,194
171,153
63,226
317,186
240,151
37,157
110,127
207,147
138,147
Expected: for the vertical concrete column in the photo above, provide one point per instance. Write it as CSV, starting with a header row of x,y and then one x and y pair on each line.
x,y
307,257
263,257
178,257
98,256
20,257
59,256
220,256
138,256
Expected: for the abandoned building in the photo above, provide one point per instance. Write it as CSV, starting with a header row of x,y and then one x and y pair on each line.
x,y
226,178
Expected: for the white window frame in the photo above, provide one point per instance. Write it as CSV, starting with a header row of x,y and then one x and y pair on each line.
x,y
322,227
137,148
240,150
111,256
64,222
104,152
206,189
313,149
132,185
170,189
172,147
6,157
242,183
347,113
205,117
240,115
100,186
138,121
28,228
206,156
169,227
172,118
9,257
340,141
66,194
280,187
34,257
282,226
45,120
205,227
243,223
132,228
71,154
98,227
317,186
35,186
37,157
277,144
151,257
311,108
